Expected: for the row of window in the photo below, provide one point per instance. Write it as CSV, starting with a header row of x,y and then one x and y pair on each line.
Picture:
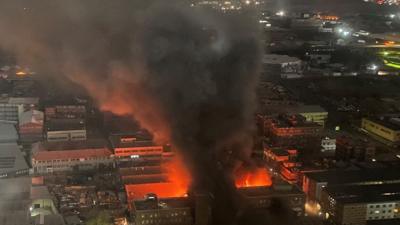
x,y
70,160
384,205
382,217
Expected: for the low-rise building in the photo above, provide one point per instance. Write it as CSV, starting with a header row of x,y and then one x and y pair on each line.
x,y
136,146
386,128
312,113
51,157
155,211
292,130
65,123
280,193
65,130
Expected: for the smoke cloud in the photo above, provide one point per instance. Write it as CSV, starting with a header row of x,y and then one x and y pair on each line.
x,y
186,75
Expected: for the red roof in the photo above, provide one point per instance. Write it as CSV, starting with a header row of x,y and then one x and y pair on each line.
x,y
71,154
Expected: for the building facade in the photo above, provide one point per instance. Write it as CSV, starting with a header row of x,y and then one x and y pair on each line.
x,y
154,211
46,159
387,129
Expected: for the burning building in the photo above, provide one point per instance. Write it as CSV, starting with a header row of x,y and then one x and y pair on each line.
x,y
258,177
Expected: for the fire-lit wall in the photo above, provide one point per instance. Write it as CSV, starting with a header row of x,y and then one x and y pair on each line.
x,y
140,151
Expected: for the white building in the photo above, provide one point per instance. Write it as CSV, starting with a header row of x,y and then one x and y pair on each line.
x,y
328,144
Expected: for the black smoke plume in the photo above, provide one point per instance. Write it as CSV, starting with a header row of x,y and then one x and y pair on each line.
x,y
185,74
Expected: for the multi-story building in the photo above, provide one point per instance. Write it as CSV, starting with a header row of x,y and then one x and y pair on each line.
x,y
386,128
155,211
292,130
65,130
288,196
283,161
65,123
12,107
348,148
136,147
358,205
314,182
30,127
51,157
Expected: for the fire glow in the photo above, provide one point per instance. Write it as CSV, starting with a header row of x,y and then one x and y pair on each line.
x,y
177,185
252,178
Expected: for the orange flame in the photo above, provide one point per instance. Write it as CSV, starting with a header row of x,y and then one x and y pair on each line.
x,y
176,186
252,178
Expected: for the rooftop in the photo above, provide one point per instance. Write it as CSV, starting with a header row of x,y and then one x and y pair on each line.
x,y
19,100
71,154
389,122
8,133
14,200
356,176
309,109
40,192
65,124
365,193
279,59
296,120
11,158
270,191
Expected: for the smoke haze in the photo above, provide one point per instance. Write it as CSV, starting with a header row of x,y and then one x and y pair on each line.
x,y
186,75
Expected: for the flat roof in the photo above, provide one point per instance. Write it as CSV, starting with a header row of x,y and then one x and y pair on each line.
x,y
309,109
65,124
356,176
40,192
365,193
11,158
279,59
270,191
